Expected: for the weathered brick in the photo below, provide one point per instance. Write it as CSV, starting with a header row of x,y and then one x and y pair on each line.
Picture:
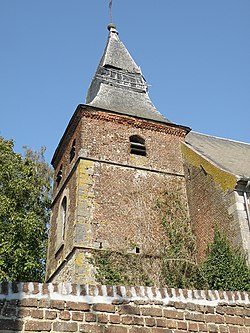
x,y
239,311
38,326
194,316
29,302
182,325
138,321
233,329
220,309
247,322
171,323
64,315
115,329
202,327
102,318
127,320
57,304
23,312
230,310
223,328
212,328
210,309
160,322
129,309
45,289
80,306
234,320
179,305
114,318
35,288
244,329
160,330
153,312
149,321
92,328
246,312
104,308
110,291
90,317
193,327
49,314
65,327
38,314
138,330
77,316
44,303
190,306
169,313
215,318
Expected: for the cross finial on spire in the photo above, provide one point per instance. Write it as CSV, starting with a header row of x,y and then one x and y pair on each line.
x,y
110,10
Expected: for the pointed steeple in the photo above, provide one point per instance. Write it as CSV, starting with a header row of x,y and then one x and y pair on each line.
x,y
118,84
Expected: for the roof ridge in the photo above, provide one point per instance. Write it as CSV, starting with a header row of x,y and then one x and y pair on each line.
x,y
220,138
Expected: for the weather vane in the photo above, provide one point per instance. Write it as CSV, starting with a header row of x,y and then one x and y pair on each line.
x,y
110,10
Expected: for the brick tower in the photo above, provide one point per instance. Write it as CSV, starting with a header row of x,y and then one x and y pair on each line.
x,y
117,157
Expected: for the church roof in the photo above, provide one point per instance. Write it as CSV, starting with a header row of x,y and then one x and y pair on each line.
x,y
229,155
118,84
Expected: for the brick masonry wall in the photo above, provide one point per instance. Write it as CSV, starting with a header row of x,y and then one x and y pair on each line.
x,y
33,307
111,193
209,201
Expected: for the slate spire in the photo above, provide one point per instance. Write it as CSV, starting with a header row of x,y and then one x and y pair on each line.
x,y
118,84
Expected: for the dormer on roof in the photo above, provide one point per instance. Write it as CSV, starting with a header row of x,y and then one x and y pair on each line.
x,y
118,84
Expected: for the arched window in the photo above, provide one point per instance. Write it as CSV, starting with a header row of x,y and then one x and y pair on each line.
x,y
137,145
63,217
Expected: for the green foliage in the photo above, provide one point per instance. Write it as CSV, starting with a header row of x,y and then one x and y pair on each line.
x,y
106,272
120,269
225,268
25,185
180,268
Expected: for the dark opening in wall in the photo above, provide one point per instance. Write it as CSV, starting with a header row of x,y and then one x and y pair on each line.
x,y
137,145
59,175
63,216
73,150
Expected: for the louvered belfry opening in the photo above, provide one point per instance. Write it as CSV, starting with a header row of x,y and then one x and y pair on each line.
x,y
137,145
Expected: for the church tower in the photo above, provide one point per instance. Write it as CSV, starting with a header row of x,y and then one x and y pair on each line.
x,y
114,163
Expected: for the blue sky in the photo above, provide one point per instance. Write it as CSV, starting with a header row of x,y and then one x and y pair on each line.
x,y
194,54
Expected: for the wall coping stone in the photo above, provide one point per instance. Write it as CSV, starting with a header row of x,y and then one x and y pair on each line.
x,y
119,294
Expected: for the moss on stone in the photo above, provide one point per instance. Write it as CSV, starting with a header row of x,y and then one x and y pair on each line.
x,y
224,179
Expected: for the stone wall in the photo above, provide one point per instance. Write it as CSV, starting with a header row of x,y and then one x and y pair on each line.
x,y
33,307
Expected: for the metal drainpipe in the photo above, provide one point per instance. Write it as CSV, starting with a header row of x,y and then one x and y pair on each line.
x,y
246,204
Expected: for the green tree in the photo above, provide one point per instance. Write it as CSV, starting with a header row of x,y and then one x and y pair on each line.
x,y
225,268
25,197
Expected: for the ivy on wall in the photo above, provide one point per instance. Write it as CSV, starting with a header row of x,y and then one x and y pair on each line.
x,y
121,268
224,267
